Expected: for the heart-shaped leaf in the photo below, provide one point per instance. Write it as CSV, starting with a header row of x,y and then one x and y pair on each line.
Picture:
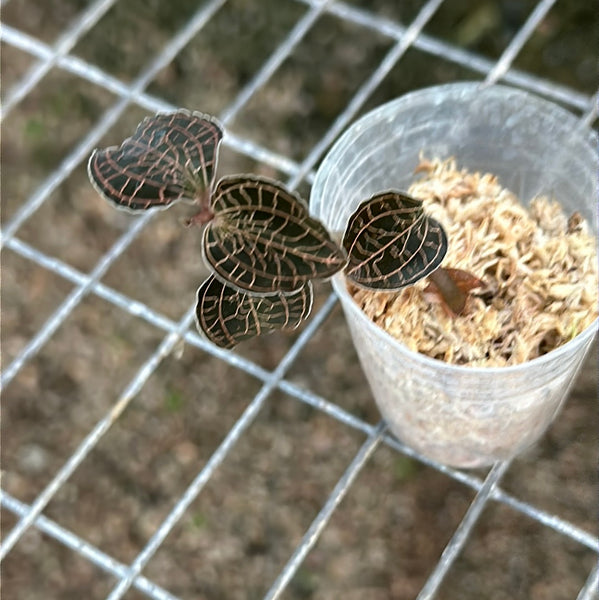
x,y
263,239
169,157
391,243
227,316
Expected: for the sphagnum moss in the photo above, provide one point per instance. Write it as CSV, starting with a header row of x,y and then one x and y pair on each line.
x,y
539,267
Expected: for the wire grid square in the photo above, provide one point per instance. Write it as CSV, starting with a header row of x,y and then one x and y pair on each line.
x,y
144,471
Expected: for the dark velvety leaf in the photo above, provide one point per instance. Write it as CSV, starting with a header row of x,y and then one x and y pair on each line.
x,y
227,316
169,157
262,238
391,243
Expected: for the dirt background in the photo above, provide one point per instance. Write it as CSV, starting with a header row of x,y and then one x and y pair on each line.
x,y
391,529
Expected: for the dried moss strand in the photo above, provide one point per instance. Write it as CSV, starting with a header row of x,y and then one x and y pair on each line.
x,y
539,270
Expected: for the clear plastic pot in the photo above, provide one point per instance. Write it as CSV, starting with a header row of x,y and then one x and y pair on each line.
x,y
459,415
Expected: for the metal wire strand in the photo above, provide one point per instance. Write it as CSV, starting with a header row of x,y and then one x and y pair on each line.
x,y
71,301
324,516
91,440
109,118
222,451
164,58
462,533
362,94
169,52
422,18
147,101
275,60
522,36
140,310
95,556
454,54
75,297
87,19
590,590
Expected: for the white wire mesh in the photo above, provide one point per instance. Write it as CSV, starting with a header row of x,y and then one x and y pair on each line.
x,y
57,56
63,45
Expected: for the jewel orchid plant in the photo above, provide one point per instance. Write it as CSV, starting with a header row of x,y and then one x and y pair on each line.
x,y
392,243
259,241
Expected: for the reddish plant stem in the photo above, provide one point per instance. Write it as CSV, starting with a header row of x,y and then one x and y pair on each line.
x,y
452,295
201,218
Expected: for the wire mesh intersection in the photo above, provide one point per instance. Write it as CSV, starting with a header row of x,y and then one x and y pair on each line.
x,y
58,56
